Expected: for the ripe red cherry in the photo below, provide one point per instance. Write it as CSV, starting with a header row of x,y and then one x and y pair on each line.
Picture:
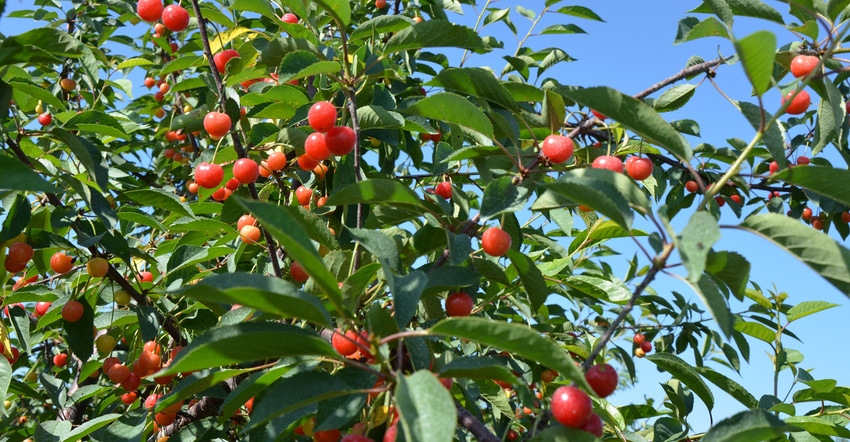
x,y
150,82
129,397
72,311
340,140
444,189
149,10
246,170
602,378
639,338
150,360
593,426
803,161
845,217
41,308
447,383
345,345
392,431
175,17
290,18
220,60
217,124
380,4
209,175
639,168
276,161
692,186
19,253
807,214
548,375
736,198
817,223
316,147
803,65
557,148
61,263
45,119
118,373
495,241
304,195
774,167
305,162
60,359
609,162
799,104
327,436
145,276
164,419
133,382
233,184
222,194
250,234
571,406
720,201
245,220
322,116
298,273
598,115
459,304
646,346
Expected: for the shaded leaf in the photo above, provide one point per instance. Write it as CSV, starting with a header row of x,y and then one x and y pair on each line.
x,y
427,411
434,34
683,371
17,176
748,425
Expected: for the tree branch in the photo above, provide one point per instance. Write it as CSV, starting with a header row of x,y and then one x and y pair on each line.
x,y
474,426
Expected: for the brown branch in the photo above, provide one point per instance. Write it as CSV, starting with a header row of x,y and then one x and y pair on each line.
x,y
684,73
466,420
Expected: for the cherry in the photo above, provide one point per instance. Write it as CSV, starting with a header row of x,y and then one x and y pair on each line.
x,y
495,241
593,426
548,375
598,115
249,234
845,216
41,308
104,343
639,338
345,344
14,267
304,195
557,148
97,267
108,363
45,119
15,355
121,297
118,373
145,276
220,60
193,187
459,304
150,360
316,147
175,17
305,162
159,95
817,223
807,214
322,116
20,252
164,88
276,161
380,4
799,104
150,82
602,378
340,140
149,10
61,263
803,65
67,84
298,273
447,382
133,382
217,124
221,194
327,436
646,346
639,168
320,170
289,18
72,311
249,404
802,161
321,203
444,189
418,19
512,435
609,162
355,438
720,201
129,397
692,186
233,184
246,170
774,167
165,418
571,406
392,431
209,175
60,359
245,220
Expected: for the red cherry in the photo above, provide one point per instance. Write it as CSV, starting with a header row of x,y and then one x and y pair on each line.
x,y
276,161
340,140
316,147
15,355
736,198
145,276
60,359
307,163
233,184
548,375
352,437
392,431
72,311
495,241
594,426
164,419
133,382
774,167
639,338
803,65
220,60
41,308
571,407
217,124
345,344
298,273
61,263
444,189
602,378
304,195
380,4
327,436
118,373
150,360
646,346
845,217
322,116
557,148
817,223
447,383
289,18
245,220
14,267
609,162
45,119
175,17
129,397
149,10
20,252
209,175
802,161
221,194
807,214
246,170
720,201
249,234
598,115
639,168
459,304
692,186
799,104
150,82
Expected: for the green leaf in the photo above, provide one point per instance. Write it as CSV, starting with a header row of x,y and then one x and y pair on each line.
x,y
5,379
340,10
514,338
97,122
731,268
722,10
261,7
695,242
748,425
427,411
382,24
377,191
129,426
245,342
683,371
558,433
477,82
481,368
691,28
531,277
831,115
713,298
453,109
196,383
835,7
736,390
40,45
266,293
824,181
600,288
90,426
597,189
17,218
376,117
37,92
674,98
502,196
757,52
748,8
818,425
807,308
286,229
773,138
820,252
434,34
579,11
295,392
167,201
755,330
633,114
135,62
17,176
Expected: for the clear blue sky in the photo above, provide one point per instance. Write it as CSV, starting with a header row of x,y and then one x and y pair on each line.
x,y
630,51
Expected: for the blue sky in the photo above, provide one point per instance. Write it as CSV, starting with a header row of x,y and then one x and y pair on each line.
x,y
631,50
